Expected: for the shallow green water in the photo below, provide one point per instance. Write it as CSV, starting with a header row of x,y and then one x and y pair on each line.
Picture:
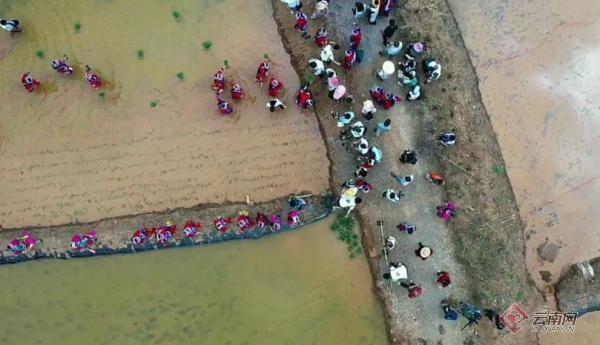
x,y
296,288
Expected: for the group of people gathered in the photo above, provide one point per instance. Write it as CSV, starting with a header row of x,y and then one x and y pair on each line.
x,y
359,137
60,65
26,244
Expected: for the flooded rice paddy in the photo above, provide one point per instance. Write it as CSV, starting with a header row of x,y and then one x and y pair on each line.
x,y
297,288
152,138
537,63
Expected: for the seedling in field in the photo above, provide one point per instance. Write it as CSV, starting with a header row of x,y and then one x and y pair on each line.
x,y
77,27
206,45
180,76
176,15
39,54
140,54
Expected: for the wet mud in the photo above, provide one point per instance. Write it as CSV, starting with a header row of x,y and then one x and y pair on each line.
x,y
151,141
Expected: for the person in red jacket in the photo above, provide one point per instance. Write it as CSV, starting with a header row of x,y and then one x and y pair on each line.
x,y
224,107
236,91
304,99
28,82
219,81
262,72
321,38
349,59
355,37
222,224
190,229
301,24
443,278
275,86
92,78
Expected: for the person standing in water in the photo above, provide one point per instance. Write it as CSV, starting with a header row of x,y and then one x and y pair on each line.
x,y
10,25
92,78
28,82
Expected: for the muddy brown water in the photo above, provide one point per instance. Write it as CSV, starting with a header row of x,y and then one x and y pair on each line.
x,y
537,63
297,288
69,154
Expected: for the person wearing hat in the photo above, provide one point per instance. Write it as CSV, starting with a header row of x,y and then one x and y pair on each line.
x,y
359,10
423,252
358,129
392,195
368,109
348,203
414,50
355,37
321,9
389,31
374,11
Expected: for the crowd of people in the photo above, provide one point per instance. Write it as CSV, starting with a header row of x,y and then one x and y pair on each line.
x,y
364,144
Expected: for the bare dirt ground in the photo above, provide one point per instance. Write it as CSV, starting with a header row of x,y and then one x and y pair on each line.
x,y
484,247
68,155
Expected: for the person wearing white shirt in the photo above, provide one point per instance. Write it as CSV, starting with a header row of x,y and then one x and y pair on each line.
x,y
318,67
327,53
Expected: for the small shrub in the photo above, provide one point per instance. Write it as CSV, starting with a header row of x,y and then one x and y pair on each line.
x,y
226,64
206,45
101,94
40,54
180,76
344,228
77,27
176,15
153,104
266,56
140,54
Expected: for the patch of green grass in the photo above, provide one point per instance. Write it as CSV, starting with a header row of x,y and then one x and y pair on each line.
x,y
344,228
140,54
309,78
180,76
101,94
206,45
266,56
40,54
226,63
77,27
153,104
498,169
176,15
